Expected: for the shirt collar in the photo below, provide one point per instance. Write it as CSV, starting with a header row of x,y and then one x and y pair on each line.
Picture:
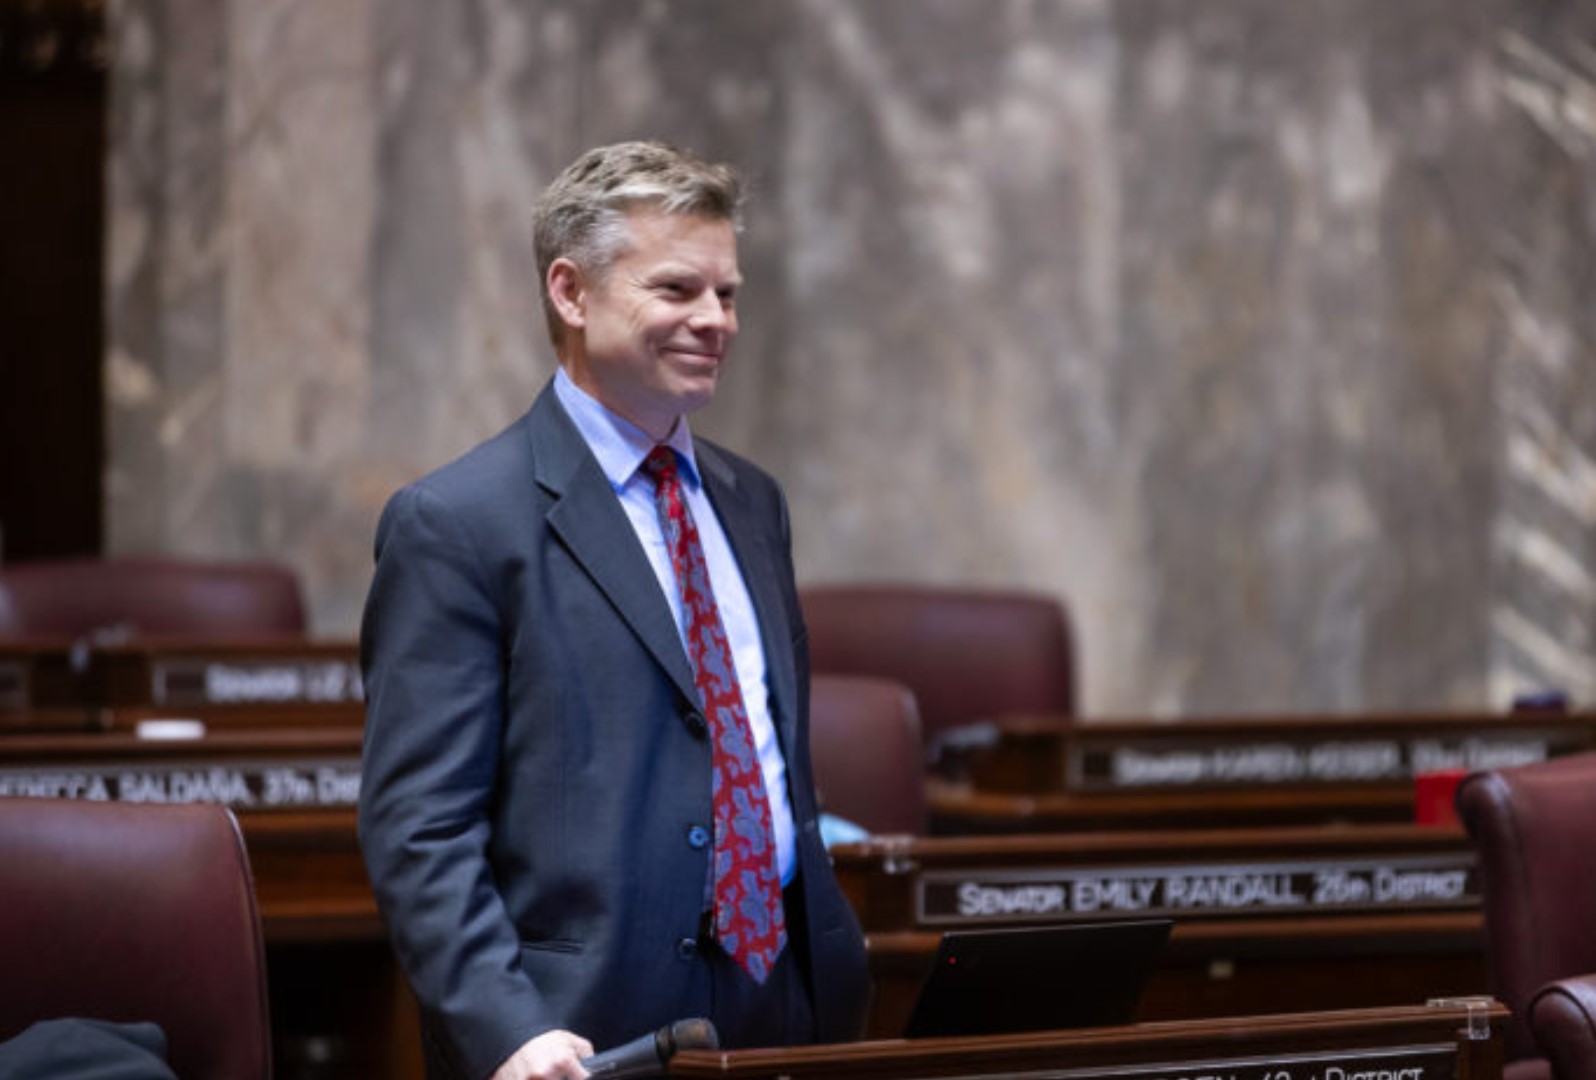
x,y
620,445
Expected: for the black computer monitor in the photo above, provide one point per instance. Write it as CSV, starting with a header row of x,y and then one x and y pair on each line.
x,y
1037,978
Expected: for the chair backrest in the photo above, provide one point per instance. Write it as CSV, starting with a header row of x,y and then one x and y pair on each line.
x,y
149,598
864,739
135,912
967,654
1534,828
1562,1017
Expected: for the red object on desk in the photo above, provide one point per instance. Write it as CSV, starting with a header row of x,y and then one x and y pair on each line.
x,y
1433,797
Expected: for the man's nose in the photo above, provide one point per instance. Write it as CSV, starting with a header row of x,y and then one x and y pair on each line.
x,y
711,313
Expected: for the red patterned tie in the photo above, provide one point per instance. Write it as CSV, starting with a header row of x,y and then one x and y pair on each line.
x,y
749,922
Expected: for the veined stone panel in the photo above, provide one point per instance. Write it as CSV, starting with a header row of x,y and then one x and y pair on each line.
x,y
1543,622
1307,347
1263,333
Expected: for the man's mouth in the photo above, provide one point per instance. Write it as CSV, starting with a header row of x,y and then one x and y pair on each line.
x,y
701,355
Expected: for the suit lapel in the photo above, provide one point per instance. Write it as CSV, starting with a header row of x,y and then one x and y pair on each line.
x,y
760,566
588,519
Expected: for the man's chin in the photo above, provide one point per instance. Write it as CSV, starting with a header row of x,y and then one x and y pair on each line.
x,y
691,403
693,394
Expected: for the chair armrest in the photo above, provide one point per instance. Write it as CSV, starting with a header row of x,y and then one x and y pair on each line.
x,y
1562,1017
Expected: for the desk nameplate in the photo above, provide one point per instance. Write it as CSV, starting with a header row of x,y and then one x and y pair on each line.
x,y
1430,1062
296,784
1300,886
1149,763
244,681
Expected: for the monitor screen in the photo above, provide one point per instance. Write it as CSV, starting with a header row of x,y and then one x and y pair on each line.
x,y
1037,978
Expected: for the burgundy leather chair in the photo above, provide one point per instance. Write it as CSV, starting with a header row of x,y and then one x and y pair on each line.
x,y
967,654
864,739
149,597
1534,828
135,912
1562,1018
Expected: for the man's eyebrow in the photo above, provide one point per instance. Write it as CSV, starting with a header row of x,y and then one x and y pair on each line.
x,y
679,269
670,269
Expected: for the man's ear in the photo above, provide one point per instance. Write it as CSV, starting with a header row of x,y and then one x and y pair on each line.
x,y
568,293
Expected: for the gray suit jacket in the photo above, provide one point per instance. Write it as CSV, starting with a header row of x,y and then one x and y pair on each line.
x,y
535,762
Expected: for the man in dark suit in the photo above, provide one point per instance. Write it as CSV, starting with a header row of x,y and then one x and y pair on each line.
x,y
576,647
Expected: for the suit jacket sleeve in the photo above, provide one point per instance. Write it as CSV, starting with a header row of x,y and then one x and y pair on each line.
x,y
432,654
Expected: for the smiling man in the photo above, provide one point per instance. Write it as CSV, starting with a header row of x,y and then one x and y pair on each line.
x,y
587,806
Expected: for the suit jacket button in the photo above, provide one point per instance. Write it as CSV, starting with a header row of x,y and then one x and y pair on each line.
x,y
687,948
696,723
697,837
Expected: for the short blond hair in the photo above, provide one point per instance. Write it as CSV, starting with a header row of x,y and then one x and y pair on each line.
x,y
581,216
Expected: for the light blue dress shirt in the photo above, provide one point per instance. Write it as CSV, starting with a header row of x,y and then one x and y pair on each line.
x,y
620,447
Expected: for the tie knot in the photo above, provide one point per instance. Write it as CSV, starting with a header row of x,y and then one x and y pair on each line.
x,y
661,464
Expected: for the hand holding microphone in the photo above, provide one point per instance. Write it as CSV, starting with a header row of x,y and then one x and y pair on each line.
x,y
647,1054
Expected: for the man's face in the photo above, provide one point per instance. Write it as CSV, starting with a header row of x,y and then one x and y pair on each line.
x,y
658,323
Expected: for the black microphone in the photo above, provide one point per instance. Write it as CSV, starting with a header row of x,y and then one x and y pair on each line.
x,y
646,1055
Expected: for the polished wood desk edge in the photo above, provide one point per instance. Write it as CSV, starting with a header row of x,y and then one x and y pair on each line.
x,y
149,644
1423,931
959,791
964,799
1113,728
1246,839
231,742
1143,1042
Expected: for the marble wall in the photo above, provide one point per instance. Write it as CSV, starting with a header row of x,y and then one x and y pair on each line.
x,y
1265,334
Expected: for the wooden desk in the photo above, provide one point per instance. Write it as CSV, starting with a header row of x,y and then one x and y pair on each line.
x,y
1266,920
75,686
282,746
1048,775
1430,1042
